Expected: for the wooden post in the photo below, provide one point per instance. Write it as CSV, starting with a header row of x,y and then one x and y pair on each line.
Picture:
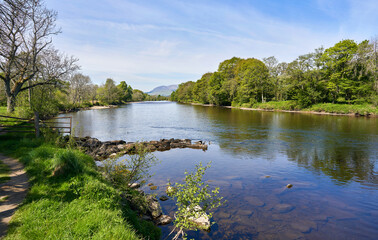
x,y
70,125
36,124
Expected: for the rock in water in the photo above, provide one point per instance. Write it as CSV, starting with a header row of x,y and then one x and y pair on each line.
x,y
163,220
163,198
134,185
283,208
202,220
289,185
153,206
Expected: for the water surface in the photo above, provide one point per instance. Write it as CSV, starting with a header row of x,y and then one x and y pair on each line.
x,y
330,160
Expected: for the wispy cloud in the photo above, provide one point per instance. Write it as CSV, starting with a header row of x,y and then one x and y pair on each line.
x,y
151,43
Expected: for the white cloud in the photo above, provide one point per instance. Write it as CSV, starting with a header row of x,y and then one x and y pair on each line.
x,y
139,42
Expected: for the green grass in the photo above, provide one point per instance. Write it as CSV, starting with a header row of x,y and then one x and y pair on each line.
x,y
68,198
279,105
362,109
3,110
4,172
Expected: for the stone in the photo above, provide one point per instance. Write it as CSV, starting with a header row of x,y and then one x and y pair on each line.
x,y
289,185
113,155
153,206
202,220
150,184
146,218
164,220
164,198
121,146
283,208
153,187
134,185
224,215
244,212
303,226
255,201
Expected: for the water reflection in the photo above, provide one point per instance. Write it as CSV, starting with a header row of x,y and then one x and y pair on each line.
x,y
330,160
344,148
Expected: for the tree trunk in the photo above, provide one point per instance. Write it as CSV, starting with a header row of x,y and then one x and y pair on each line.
x,y
11,102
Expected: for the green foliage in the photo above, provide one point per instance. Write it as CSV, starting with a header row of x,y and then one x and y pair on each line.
x,y
344,73
67,162
193,199
138,95
289,105
71,206
133,169
126,92
362,109
109,93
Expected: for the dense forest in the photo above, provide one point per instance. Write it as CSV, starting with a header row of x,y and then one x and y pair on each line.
x,y
345,73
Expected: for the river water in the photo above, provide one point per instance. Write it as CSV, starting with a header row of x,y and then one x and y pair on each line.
x,y
331,161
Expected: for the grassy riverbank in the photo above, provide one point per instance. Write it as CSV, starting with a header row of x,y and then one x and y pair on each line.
x,y
362,109
321,108
68,198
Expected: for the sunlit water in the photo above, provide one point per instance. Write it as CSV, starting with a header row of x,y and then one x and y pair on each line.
x,y
331,161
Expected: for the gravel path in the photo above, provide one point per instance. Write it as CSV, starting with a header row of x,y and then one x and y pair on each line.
x,y
13,191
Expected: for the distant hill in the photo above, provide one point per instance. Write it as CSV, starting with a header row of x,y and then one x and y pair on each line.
x,y
163,90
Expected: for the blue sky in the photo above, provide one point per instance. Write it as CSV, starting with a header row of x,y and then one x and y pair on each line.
x,y
153,43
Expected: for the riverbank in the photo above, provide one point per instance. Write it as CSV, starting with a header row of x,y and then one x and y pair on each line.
x,y
320,109
68,197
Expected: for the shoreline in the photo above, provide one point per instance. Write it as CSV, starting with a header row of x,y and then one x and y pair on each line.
x,y
289,111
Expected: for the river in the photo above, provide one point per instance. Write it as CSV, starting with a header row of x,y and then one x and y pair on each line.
x,y
331,161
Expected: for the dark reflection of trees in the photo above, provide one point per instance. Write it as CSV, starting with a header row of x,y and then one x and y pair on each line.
x,y
341,164
344,148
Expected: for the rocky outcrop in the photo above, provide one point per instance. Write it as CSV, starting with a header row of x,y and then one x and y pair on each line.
x,y
102,150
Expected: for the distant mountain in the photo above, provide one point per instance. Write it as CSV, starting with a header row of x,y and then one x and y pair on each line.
x,y
163,90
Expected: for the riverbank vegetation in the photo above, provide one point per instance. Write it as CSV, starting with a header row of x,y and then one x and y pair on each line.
x,y
68,197
341,79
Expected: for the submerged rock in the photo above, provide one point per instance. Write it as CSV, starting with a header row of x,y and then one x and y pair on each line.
x,y
164,220
283,208
164,198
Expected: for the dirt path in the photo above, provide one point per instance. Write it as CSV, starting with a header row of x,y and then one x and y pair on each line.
x,y
13,191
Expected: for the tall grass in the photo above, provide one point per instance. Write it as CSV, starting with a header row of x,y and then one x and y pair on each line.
x,y
362,109
76,203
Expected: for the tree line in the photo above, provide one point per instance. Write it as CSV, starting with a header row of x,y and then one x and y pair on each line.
x,y
344,73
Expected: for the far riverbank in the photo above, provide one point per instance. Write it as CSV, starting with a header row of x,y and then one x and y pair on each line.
x,y
319,109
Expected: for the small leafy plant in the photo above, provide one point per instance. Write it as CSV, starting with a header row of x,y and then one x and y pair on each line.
x,y
133,169
195,201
